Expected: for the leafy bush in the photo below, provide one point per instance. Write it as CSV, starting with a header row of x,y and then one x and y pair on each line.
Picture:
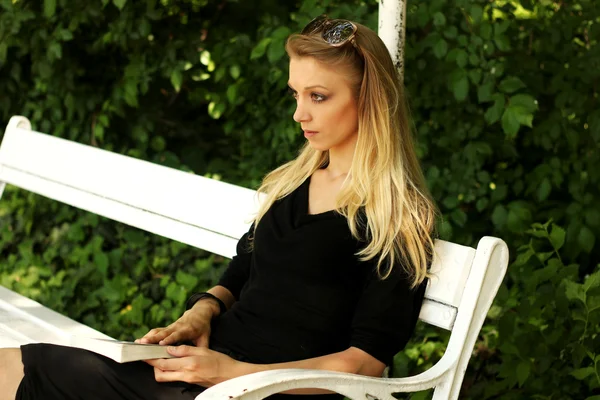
x,y
112,277
544,337
504,97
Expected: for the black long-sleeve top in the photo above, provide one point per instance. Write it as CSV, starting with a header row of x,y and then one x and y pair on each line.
x,y
302,292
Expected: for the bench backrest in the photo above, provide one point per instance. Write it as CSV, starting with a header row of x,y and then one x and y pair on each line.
x,y
191,209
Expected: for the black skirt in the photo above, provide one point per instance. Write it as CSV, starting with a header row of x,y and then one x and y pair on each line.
x,y
64,373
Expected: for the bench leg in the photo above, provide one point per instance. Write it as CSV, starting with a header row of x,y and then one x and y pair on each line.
x,y
11,373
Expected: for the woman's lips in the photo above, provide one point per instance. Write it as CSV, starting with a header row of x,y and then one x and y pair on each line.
x,y
310,133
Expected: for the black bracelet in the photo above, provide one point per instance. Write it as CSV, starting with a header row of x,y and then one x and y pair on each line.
x,y
197,296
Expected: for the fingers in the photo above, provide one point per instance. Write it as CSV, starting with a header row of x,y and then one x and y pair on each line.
x,y
166,364
155,335
174,337
169,376
184,329
202,341
189,365
183,351
145,338
164,336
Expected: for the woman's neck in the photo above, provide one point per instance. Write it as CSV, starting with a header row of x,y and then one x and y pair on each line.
x,y
340,160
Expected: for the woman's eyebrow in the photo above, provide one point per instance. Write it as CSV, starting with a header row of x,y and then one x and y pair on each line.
x,y
309,87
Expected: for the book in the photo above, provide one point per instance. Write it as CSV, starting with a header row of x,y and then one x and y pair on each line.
x,y
121,352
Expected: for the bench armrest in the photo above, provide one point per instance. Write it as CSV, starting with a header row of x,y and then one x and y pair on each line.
x,y
262,384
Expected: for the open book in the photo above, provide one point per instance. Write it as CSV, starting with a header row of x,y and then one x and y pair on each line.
x,y
121,352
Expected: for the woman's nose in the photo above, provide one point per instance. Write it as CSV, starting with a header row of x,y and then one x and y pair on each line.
x,y
301,114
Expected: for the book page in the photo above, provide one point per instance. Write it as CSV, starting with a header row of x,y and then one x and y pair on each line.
x,y
120,351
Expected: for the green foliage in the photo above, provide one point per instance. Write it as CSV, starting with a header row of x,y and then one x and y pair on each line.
x,y
543,336
506,118
504,98
109,276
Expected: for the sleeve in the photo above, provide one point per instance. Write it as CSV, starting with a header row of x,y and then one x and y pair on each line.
x,y
238,270
386,314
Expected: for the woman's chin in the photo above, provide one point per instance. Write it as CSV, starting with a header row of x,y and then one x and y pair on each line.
x,y
317,146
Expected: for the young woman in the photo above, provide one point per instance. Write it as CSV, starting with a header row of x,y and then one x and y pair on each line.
x,y
332,272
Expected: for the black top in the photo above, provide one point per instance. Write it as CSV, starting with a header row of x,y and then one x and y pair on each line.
x,y
302,292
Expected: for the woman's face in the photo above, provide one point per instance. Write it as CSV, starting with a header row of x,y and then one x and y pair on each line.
x,y
325,106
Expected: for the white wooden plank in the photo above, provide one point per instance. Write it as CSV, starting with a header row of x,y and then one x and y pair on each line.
x,y
207,203
440,315
23,320
155,223
450,270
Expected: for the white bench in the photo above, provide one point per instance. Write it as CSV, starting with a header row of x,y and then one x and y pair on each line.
x,y
213,215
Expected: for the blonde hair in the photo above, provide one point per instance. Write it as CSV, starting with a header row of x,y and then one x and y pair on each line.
x,y
385,178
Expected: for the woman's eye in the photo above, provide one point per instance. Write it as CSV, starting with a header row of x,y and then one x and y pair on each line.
x,y
317,98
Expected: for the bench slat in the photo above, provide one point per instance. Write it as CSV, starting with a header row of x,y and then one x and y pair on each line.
x,y
450,270
203,202
127,214
23,320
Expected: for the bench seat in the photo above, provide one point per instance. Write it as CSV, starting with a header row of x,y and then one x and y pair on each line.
x,y
24,321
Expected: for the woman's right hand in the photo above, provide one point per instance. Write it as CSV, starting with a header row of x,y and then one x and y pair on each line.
x,y
194,326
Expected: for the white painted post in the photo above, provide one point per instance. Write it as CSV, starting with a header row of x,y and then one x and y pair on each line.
x,y
392,29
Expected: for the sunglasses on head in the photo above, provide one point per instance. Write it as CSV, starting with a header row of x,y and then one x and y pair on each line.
x,y
336,32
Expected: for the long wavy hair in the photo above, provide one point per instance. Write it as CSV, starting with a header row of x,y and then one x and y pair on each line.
x,y
385,183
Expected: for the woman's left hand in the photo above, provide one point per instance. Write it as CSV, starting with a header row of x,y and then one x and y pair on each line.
x,y
197,365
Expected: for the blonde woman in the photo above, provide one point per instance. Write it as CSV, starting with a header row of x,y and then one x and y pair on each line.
x,y
331,274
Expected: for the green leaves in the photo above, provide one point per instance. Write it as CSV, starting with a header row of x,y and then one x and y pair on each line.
x,y
546,293
440,48
49,8
260,49
523,371
484,92
439,19
101,262
592,282
519,216
511,84
519,112
3,51
54,51
557,237
524,101
215,109
499,216
205,57
586,239
582,373
176,79
510,121
232,94
235,71
476,13
119,3
544,189
276,49
272,45
459,84
494,112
